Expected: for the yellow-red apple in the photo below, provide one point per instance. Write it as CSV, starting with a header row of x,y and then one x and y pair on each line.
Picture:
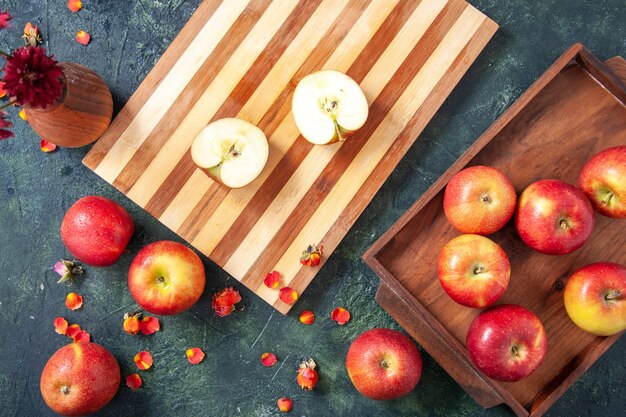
x,y
595,298
473,270
479,200
603,180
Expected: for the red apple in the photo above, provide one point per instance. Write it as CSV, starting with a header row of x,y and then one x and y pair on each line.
x,y
384,364
506,342
479,200
473,270
79,379
554,217
595,298
96,230
166,278
603,180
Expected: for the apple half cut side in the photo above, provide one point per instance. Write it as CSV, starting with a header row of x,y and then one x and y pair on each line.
x,y
328,106
231,151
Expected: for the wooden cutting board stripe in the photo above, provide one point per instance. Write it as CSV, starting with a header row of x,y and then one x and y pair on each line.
x,y
407,56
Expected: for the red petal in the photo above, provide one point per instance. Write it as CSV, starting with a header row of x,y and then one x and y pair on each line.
x,y
223,302
307,378
60,325
22,114
285,404
47,146
82,337
272,280
307,317
194,355
29,29
143,360
288,295
73,330
340,315
131,325
150,325
133,381
73,301
83,37
74,5
2,90
268,359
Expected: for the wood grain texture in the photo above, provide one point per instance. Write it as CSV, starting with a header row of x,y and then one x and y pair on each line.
x,y
545,134
242,58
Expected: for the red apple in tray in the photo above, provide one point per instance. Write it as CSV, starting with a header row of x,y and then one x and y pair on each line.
x,y
480,200
166,278
473,270
384,364
554,217
79,379
603,180
595,298
96,230
506,342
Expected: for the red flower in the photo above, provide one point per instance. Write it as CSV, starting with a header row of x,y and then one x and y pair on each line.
x,y
4,124
5,18
31,77
224,301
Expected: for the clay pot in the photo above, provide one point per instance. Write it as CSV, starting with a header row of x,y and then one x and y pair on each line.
x,y
81,115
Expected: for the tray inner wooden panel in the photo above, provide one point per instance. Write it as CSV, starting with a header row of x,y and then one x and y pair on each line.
x,y
570,120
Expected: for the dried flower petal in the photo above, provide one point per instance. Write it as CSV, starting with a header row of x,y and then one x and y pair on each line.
x,y
72,331
4,125
268,359
150,325
288,295
312,255
307,375
74,301
83,37
131,324
340,315
22,114
82,337
285,404
5,18
143,360
194,355
307,317
3,92
133,381
31,35
67,269
74,5
46,146
60,325
224,301
272,280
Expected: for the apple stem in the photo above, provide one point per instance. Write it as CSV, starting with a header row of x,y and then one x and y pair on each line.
x,y
515,351
612,295
480,270
486,199
607,200
563,224
65,390
384,364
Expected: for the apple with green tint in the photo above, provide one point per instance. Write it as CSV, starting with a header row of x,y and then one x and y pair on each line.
x,y
603,180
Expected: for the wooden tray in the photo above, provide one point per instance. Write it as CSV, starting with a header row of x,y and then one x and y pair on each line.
x,y
243,59
574,110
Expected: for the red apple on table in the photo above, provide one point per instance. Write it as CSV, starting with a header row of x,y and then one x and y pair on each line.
x,y
506,342
554,217
384,364
479,200
473,270
595,298
96,230
603,180
79,379
166,278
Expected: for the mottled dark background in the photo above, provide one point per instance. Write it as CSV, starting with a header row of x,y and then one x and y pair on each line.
x,y
36,189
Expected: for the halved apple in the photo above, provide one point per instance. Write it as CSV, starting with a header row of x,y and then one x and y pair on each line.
x,y
231,151
328,106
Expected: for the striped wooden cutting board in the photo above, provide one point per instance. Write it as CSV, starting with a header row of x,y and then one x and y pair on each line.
x,y
243,58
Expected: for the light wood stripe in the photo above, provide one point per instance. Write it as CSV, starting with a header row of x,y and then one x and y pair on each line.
x,y
300,183
373,151
189,195
167,91
285,134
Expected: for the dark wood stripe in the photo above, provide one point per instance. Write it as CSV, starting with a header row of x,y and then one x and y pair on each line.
x,y
281,108
301,147
231,106
201,212
348,151
151,82
192,92
397,151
